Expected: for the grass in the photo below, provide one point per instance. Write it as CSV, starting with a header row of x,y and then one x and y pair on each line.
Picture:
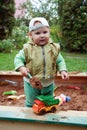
x,y
7,60
74,62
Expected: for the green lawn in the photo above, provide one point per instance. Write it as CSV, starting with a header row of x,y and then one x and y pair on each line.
x,y
7,60
74,62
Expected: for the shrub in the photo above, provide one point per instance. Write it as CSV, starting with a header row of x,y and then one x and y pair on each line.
x,y
54,33
6,45
73,20
17,39
19,36
7,20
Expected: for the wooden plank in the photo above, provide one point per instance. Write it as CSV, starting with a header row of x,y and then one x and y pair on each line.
x,y
80,81
14,125
77,79
13,76
23,118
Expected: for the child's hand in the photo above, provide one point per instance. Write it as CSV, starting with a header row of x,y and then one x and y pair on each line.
x,y
64,75
24,71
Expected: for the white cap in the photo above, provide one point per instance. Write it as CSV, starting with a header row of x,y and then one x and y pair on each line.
x,y
42,20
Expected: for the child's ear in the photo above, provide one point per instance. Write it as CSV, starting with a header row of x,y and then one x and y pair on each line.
x,y
29,33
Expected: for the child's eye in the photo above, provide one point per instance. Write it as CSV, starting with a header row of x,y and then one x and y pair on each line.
x,y
37,33
45,32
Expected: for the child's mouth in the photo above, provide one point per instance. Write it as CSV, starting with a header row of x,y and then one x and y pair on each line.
x,y
43,40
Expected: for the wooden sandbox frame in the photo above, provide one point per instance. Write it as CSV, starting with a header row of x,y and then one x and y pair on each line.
x,y
22,118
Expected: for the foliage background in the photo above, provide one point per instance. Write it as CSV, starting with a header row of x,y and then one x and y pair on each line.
x,y
73,21
67,19
68,24
7,20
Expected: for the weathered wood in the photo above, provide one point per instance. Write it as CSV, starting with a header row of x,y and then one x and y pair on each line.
x,y
21,118
77,79
13,76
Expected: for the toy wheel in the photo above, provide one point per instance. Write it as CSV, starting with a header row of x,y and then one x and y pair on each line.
x,y
42,112
53,109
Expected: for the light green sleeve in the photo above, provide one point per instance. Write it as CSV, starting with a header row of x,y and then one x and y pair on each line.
x,y
61,65
19,60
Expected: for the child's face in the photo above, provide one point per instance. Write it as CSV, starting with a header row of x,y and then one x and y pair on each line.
x,y
40,36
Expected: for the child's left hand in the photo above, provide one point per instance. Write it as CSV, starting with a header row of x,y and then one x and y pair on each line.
x,y
64,75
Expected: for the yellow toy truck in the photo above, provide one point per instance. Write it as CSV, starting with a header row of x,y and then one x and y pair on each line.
x,y
44,104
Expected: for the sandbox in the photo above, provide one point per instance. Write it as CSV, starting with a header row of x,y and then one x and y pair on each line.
x,y
71,115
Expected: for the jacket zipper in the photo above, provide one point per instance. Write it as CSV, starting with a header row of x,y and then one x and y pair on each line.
x,y
44,62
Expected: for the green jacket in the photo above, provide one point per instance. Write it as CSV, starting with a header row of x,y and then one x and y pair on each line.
x,y
42,61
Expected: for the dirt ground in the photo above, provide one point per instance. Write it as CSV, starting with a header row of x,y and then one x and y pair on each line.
x,y
78,97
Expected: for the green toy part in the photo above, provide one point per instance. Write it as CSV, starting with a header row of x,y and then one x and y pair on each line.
x,y
12,92
48,100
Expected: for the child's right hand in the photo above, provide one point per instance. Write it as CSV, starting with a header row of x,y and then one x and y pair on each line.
x,y
24,71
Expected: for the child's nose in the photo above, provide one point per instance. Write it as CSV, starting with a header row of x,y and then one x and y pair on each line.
x,y
42,35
